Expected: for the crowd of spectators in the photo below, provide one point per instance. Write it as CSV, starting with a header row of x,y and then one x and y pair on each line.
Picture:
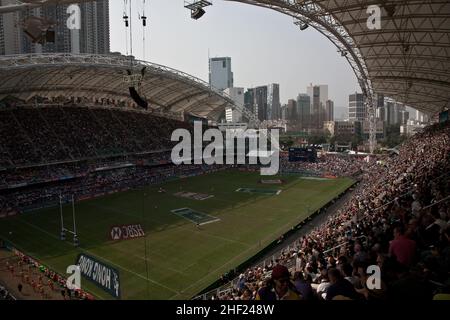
x,y
94,182
35,175
31,135
57,149
35,187
327,164
36,281
397,219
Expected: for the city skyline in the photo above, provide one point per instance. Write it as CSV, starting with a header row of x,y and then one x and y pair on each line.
x,y
293,60
289,82
44,30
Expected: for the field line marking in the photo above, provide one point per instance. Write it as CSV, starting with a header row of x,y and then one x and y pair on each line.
x,y
223,238
107,260
177,212
143,258
210,221
122,251
119,211
284,227
181,227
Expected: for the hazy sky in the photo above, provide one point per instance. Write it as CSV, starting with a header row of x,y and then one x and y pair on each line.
x,y
264,45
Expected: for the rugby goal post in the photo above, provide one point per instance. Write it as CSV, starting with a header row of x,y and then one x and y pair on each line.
x,y
64,230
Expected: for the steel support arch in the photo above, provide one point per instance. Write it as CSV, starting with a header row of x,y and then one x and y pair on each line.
x,y
310,12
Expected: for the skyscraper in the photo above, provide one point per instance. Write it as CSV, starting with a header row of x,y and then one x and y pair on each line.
x,y
380,105
10,35
273,101
316,108
284,112
418,116
93,37
319,96
264,102
389,113
292,111
303,110
260,102
321,89
356,107
404,117
329,110
249,98
237,95
395,113
220,74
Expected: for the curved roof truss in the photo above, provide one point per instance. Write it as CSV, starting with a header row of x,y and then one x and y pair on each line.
x,y
102,76
408,59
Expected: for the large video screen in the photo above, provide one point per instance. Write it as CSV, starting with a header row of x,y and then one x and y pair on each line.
x,y
302,154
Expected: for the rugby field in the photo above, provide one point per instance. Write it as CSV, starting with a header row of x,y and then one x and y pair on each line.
x,y
189,242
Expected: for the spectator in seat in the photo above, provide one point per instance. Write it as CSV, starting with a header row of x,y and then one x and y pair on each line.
x,y
402,248
279,287
360,255
408,287
322,288
303,287
266,292
340,286
347,271
415,205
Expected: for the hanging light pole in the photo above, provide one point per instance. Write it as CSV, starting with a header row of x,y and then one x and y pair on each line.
x,y
63,230
76,242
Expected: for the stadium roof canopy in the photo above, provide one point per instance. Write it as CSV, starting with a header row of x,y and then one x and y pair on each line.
x,y
104,76
407,59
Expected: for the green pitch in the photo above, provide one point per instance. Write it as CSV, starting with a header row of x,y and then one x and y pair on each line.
x,y
182,259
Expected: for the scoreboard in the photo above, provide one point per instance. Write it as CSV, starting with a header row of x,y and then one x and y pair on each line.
x,y
308,154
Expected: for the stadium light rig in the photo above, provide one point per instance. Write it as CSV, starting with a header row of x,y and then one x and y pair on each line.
x,y
302,25
196,8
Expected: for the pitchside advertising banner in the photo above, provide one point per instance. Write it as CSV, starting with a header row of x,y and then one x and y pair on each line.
x,y
102,275
125,232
